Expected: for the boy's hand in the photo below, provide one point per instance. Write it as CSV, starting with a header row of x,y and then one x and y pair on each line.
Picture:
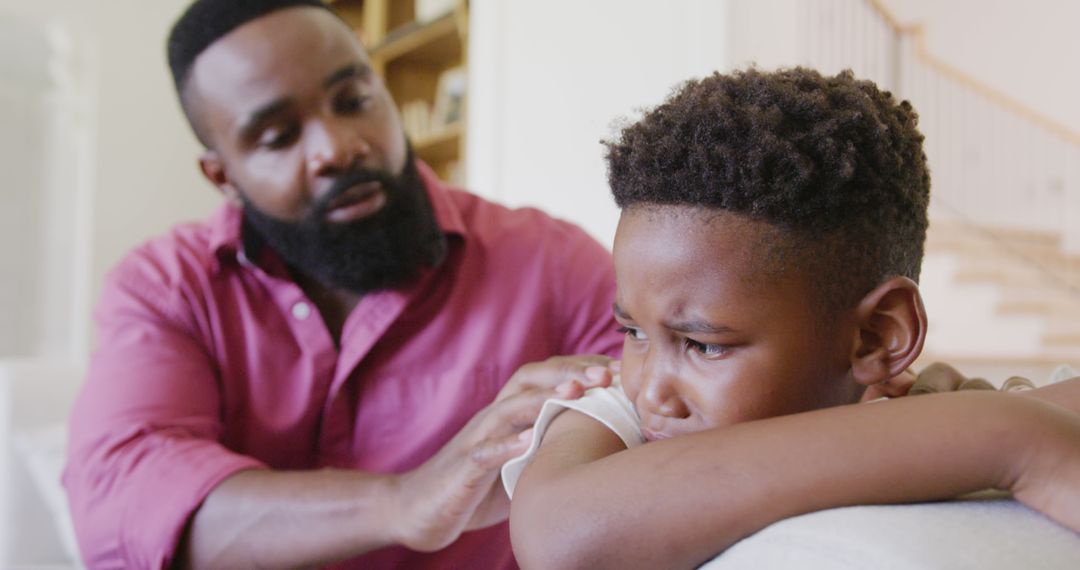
x,y
457,489
1048,479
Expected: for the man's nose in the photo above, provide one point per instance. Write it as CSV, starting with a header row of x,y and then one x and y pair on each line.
x,y
659,394
334,148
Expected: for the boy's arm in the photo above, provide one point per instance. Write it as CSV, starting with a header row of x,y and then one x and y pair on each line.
x,y
678,502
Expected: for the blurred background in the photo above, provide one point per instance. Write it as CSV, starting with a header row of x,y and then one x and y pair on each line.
x,y
510,99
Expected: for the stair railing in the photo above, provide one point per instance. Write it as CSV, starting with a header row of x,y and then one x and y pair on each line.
x,y
995,162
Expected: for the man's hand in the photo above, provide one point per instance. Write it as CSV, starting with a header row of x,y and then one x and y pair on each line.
x,y
457,489
940,377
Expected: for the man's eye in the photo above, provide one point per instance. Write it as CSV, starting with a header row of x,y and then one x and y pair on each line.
x,y
633,333
278,138
351,104
707,349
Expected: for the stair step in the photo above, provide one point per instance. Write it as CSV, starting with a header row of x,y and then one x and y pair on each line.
x,y
1038,251
1062,340
1047,360
1029,271
976,270
1040,307
1048,259
1065,298
1062,324
950,230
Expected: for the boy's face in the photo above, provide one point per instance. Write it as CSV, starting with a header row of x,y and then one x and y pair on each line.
x,y
717,333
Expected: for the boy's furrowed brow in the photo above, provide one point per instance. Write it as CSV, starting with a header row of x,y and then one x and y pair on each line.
x,y
620,313
698,326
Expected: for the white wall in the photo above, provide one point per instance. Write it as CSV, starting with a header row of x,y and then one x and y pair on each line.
x,y
24,109
550,79
44,154
765,33
142,176
147,175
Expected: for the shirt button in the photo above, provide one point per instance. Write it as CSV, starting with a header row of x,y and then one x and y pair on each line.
x,y
301,310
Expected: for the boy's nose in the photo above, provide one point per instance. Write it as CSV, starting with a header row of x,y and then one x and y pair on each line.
x,y
659,396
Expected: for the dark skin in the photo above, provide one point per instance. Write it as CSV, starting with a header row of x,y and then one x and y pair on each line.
x,y
711,345
286,103
282,129
715,355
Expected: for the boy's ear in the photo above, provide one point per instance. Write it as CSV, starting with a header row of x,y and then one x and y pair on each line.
x,y
213,168
891,323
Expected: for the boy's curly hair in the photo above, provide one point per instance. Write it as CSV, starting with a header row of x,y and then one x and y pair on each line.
x,y
834,163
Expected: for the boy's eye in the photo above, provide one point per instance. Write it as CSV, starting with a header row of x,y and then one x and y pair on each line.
x,y
633,333
707,349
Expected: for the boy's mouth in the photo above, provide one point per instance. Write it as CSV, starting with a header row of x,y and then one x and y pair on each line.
x,y
651,435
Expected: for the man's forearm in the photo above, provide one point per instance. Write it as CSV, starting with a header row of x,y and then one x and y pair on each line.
x,y
269,519
676,503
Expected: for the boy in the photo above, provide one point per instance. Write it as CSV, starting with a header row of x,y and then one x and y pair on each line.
x,y
766,261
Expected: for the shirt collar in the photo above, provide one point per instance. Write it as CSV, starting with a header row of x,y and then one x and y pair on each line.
x,y
227,239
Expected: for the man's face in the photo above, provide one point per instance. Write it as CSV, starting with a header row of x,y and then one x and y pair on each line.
x,y
716,333
290,103
307,138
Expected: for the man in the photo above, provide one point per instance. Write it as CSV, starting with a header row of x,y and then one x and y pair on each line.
x,y
322,371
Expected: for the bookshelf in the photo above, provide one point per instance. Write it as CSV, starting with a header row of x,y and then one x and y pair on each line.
x,y
419,47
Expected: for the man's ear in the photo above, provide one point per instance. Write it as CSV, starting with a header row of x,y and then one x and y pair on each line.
x,y
213,168
891,331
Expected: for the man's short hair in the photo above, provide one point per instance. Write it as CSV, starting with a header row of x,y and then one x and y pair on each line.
x,y
206,21
834,163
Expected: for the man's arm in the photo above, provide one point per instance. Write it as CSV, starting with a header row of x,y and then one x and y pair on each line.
x,y
266,519
146,466
676,503
270,519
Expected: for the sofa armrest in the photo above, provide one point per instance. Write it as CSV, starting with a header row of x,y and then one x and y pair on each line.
x,y
35,399
989,534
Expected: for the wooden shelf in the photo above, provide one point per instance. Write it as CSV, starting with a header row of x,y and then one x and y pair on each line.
x,y
417,61
352,11
440,145
434,43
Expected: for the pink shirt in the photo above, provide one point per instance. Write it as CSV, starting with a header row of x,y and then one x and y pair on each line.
x,y
208,364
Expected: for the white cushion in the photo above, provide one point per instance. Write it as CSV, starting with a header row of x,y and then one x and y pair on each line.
x,y
983,534
35,399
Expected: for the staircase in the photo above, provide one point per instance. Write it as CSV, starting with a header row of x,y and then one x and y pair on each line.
x,y
1001,278
998,294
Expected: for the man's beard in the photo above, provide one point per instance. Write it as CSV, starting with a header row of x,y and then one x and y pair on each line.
x,y
383,251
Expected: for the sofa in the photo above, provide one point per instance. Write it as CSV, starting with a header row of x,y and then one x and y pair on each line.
x,y
983,532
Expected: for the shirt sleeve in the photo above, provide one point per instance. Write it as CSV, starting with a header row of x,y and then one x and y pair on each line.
x,y
609,406
584,292
144,450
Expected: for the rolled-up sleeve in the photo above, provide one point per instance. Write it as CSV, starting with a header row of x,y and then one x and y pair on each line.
x,y
144,447
584,293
